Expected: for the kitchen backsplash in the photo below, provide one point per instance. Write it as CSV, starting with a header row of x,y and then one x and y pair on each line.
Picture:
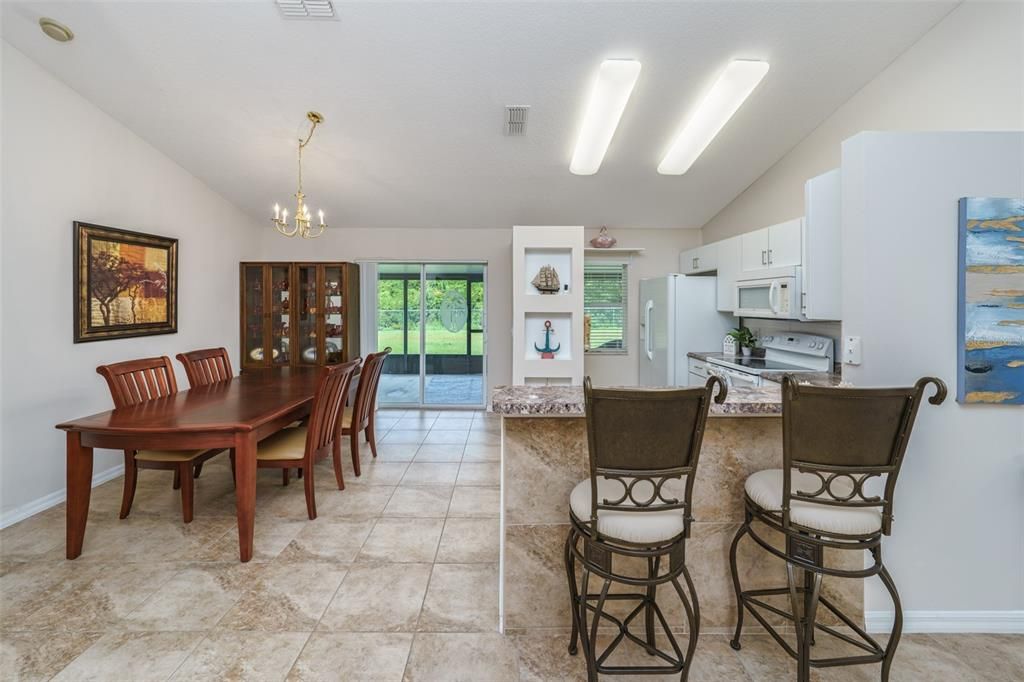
x,y
834,330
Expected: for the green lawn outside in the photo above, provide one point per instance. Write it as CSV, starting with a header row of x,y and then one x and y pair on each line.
x,y
440,341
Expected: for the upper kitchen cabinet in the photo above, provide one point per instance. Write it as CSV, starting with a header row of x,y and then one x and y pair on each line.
x,y
821,272
772,247
728,257
700,260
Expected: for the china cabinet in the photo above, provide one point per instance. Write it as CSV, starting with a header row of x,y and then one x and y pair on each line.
x,y
304,313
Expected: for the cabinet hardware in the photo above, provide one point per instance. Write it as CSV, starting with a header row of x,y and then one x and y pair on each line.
x,y
764,257
769,256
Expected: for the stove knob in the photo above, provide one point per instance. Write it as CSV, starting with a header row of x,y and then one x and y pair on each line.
x,y
810,344
821,344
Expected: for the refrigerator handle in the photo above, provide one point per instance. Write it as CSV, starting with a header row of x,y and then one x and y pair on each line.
x,y
648,331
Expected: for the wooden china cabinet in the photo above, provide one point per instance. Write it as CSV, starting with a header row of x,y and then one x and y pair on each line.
x,y
307,314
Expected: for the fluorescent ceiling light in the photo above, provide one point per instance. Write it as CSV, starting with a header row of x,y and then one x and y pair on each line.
x,y
723,100
614,84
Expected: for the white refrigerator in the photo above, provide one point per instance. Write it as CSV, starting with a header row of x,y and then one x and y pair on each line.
x,y
678,315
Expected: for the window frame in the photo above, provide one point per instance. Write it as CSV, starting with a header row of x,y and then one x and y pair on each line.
x,y
623,304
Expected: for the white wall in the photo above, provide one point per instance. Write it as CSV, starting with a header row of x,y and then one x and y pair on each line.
x,y
493,246
958,536
65,160
660,257
964,74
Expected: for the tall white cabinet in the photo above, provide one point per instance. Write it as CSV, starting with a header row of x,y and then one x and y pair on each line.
x,y
560,247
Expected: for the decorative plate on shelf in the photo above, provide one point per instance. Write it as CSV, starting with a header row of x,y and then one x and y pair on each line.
x,y
257,354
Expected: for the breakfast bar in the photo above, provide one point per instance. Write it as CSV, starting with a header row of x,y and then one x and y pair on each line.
x,y
544,454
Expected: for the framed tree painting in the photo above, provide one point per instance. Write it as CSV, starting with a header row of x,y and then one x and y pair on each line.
x,y
126,283
991,301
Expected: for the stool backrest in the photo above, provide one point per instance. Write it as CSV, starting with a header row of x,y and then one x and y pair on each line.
x,y
846,436
366,391
643,438
206,366
328,406
135,381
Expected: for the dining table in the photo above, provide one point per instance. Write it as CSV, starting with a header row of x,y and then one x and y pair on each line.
x,y
232,414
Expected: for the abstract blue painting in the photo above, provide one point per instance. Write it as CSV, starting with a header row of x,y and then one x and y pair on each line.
x,y
991,301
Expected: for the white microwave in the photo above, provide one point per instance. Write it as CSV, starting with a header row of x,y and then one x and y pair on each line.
x,y
777,296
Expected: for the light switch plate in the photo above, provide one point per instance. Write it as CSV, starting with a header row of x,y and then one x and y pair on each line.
x,y
851,350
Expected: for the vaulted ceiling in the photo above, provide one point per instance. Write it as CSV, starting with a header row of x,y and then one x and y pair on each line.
x,y
414,93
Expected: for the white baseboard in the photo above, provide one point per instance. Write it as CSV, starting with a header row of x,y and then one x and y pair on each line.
x,y
1009,622
32,508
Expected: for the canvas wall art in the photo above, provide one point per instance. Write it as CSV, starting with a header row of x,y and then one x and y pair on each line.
x,y
991,301
125,283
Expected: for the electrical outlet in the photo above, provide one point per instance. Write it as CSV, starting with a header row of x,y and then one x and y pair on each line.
x,y
851,350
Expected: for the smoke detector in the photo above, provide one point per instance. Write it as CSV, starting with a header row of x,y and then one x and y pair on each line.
x,y
306,9
516,116
56,30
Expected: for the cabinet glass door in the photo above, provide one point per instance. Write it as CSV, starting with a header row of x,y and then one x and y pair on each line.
x,y
306,313
334,320
254,331
280,314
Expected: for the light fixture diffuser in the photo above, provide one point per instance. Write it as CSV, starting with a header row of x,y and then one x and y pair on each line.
x,y
720,103
608,98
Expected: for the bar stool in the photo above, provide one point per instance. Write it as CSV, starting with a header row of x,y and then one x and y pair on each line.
x,y
834,441
644,447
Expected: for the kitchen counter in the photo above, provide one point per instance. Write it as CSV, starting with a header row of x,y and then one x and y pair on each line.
x,y
544,455
567,401
833,378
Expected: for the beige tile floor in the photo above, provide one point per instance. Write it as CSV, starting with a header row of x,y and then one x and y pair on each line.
x,y
396,579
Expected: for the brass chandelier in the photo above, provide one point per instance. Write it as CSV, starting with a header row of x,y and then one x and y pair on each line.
x,y
302,221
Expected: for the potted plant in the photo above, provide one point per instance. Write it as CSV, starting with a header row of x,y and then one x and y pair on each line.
x,y
744,338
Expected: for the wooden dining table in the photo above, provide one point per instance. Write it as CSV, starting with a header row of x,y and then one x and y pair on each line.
x,y
237,413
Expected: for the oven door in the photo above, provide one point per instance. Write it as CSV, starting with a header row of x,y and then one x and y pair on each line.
x,y
734,378
767,298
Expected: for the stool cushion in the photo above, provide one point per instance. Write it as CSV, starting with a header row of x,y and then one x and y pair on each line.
x,y
632,526
286,444
764,488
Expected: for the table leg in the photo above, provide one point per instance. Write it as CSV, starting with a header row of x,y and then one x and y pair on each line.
x,y
79,477
245,492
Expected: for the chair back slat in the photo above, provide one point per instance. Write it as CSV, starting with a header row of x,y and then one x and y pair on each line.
x,y
642,439
328,404
366,391
136,381
206,366
845,436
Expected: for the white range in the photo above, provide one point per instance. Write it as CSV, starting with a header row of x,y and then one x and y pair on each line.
x,y
787,352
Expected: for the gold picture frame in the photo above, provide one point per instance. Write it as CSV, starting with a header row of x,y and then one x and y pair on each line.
x,y
125,283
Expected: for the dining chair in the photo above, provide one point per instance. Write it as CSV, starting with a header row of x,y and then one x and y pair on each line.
x,y
206,366
137,381
359,417
299,447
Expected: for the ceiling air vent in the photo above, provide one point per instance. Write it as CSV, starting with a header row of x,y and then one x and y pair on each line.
x,y
515,119
306,9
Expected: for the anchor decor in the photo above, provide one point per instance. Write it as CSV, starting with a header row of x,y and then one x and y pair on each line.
x,y
547,352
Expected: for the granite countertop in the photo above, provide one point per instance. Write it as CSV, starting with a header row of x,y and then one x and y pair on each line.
x,y
833,378
567,401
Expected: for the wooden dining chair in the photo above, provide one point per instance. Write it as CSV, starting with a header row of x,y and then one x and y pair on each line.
x,y
137,381
358,418
299,447
207,366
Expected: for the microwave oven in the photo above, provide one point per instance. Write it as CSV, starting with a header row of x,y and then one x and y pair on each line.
x,y
776,296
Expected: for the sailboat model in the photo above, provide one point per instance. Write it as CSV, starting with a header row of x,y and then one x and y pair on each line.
x,y
546,281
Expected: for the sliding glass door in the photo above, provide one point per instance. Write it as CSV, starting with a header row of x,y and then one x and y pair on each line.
x,y
432,316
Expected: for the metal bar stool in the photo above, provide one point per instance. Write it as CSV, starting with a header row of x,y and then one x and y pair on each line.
x,y
834,441
644,446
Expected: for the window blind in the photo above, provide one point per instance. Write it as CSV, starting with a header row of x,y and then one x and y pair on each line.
x,y
605,290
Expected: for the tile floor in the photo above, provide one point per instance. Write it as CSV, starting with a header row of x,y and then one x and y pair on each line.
x,y
396,579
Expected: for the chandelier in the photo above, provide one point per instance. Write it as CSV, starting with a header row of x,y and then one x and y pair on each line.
x,y
302,220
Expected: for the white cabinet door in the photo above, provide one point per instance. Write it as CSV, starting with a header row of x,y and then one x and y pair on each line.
x,y
784,243
707,257
822,263
688,261
754,250
728,271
